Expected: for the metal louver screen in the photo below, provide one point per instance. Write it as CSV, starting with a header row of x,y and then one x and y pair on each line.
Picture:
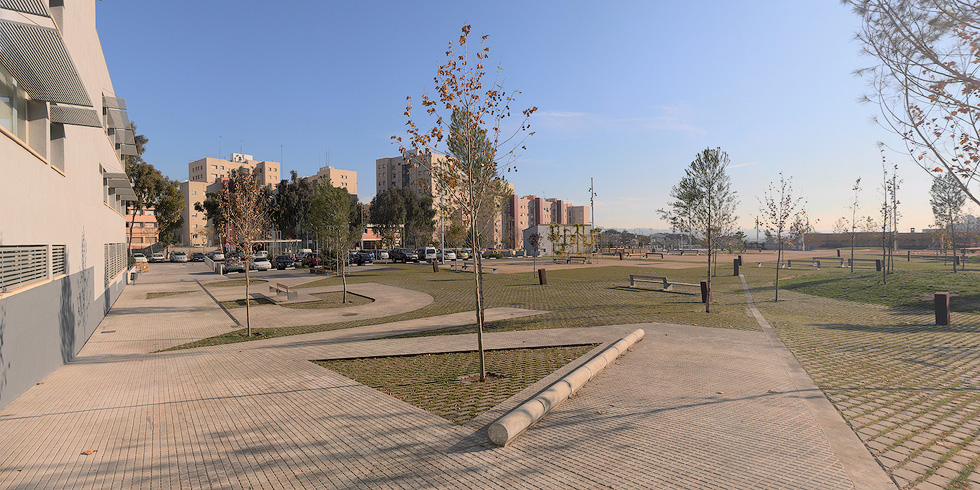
x,y
75,116
37,58
36,7
58,260
115,260
22,265
113,102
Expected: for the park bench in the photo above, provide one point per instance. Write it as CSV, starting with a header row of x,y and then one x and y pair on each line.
x,y
839,260
662,280
280,289
468,266
648,254
577,258
319,269
810,263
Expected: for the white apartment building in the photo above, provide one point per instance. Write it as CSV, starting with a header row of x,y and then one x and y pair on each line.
x,y
64,192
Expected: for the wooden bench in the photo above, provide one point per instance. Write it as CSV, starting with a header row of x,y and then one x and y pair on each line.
x,y
284,289
467,267
578,258
662,280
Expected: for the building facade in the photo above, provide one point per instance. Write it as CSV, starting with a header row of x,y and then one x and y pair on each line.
x,y
193,231
345,179
209,169
521,213
63,132
141,228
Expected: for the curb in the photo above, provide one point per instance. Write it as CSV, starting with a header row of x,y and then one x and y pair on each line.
x,y
508,427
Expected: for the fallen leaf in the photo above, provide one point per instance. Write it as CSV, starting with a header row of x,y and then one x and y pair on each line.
x,y
40,382
599,412
774,391
89,452
721,392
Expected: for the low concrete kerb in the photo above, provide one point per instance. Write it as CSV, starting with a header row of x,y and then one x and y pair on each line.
x,y
508,427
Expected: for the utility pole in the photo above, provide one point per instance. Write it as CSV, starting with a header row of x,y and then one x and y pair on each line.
x,y
592,213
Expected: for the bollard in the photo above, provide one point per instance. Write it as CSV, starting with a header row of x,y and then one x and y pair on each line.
x,y
956,260
620,255
878,265
435,266
942,308
736,263
838,252
542,277
705,294
740,260
908,254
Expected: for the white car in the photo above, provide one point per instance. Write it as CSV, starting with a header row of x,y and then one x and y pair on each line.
x,y
259,263
139,258
381,255
178,256
427,254
450,255
158,257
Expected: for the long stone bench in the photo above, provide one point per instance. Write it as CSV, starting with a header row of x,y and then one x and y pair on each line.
x,y
666,284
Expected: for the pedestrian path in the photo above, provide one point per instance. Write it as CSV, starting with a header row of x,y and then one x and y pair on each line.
x,y
689,407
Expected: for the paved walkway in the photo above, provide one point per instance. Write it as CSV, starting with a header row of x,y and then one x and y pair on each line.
x,y
689,407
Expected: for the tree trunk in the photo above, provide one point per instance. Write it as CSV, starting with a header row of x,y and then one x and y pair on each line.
x,y
478,276
779,258
342,266
248,323
852,252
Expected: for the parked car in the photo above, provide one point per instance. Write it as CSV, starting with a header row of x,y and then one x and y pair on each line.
x,y
178,256
138,257
259,263
450,255
311,260
234,264
463,253
158,257
283,261
427,254
404,255
382,255
360,258
197,257
217,256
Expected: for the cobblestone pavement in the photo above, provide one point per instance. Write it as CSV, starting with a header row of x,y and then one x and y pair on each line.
x,y
908,388
689,407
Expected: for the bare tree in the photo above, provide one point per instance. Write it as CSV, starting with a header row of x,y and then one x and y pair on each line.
x,y
925,82
534,240
704,203
947,200
780,209
468,113
244,208
849,226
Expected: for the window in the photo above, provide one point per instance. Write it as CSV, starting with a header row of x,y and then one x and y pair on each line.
x,y
13,106
194,193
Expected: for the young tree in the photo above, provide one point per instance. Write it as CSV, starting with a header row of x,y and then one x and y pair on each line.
x,y
468,115
330,220
849,226
245,208
947,200
926,82
704,203
291,203
534,240
780,209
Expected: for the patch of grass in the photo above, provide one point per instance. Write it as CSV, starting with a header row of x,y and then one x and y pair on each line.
x,y
164,294
432,381
234,282
331,300
240,303
582,297
910,288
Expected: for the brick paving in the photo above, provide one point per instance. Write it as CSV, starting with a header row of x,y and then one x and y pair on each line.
x,y
689,407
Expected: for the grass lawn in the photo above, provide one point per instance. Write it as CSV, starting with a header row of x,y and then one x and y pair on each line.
x,y
164,294
330,300
911,286
240,303
580,297
432,381
234,282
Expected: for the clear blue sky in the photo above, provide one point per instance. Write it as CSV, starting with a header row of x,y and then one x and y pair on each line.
x,y
628,92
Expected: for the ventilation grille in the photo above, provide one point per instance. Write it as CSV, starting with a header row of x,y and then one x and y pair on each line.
x,y
115,260
21,265
58,260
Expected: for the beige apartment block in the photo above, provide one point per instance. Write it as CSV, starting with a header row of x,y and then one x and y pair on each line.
x,y
521,213
141,227
345,179
209,169
398,172
193,232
